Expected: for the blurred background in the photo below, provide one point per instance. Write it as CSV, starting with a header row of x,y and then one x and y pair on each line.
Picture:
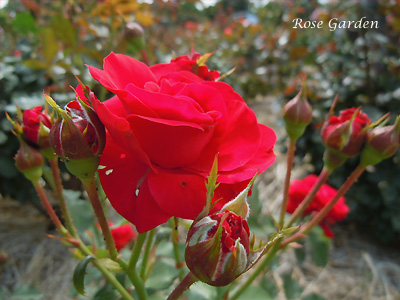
x,y
44,43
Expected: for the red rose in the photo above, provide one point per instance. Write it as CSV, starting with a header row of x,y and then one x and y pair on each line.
x,y
344,133
164,128
299,189
36,127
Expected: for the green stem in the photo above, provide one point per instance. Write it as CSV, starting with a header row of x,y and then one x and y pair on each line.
x,y
90,187
59,191
186,282
131,268
261,266
137,248
175,243
289,166
146,254
323,176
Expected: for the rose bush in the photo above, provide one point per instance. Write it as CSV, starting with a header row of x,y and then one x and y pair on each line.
x,y
165,125
299,189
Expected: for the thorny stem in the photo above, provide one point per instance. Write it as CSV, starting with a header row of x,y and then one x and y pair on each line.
x,y
53,216
323,176
175,242
146,254
186,282
290,156
323,212
59,191
90,187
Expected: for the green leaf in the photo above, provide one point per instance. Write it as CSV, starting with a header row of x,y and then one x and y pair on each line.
x,y
254,292
300,254
26,292
79,274
106,292
64,30
270,287
24,23
35,64
314,296
162,276
49,44
292,288
319,244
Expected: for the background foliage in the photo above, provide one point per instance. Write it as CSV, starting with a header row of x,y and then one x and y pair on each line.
x,y
44,43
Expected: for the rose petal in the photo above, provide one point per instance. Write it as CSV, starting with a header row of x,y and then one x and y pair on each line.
x,y
118,127
179,193
261,160
170,144
125,184
119,70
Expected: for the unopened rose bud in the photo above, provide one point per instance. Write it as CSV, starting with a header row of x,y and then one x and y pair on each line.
x,y
36,125
297,114
29,161
217,248
344,136
382,143
78,138
134,33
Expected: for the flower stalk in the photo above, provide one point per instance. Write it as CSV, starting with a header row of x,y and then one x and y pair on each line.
x,y
91,189
146,254
289,166
131,267
59,191
186,282
175,243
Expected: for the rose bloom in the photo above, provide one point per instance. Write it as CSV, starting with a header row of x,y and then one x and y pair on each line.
x,y
339,136
164,127
299,189
36,127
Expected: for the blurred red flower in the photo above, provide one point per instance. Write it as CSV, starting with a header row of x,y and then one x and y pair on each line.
x,y
298,190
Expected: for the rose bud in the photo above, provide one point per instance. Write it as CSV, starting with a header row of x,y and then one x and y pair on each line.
x,y
217,248
36,125
297,114
29,161
134,34
344,136
382,143
78,137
